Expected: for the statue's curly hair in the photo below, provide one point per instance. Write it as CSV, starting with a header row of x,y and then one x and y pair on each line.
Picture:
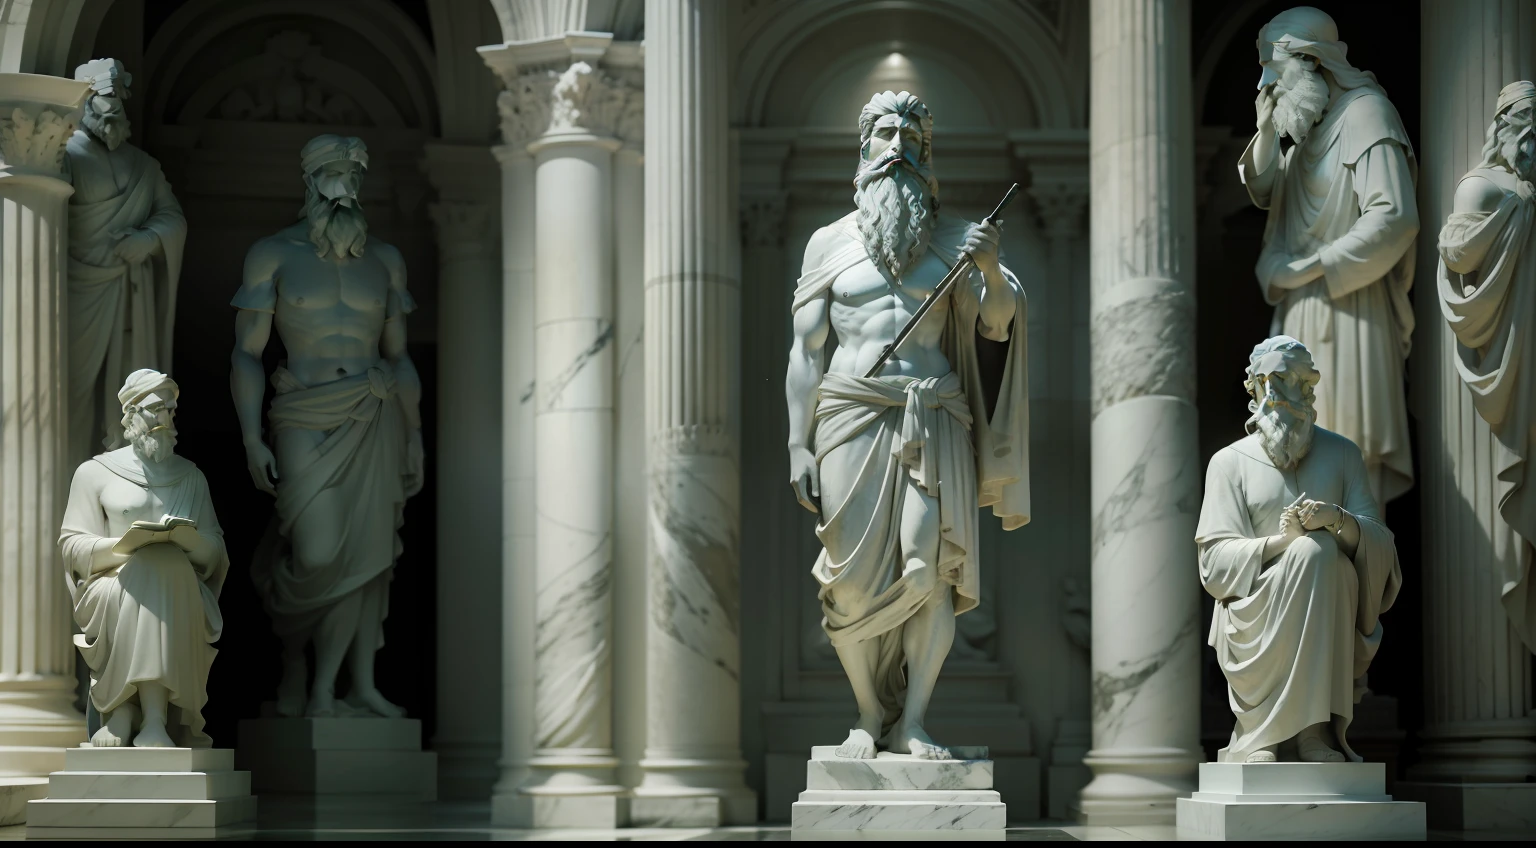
x,y
897,103
1296,365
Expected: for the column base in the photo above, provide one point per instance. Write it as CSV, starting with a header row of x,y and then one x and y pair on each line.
x,y
1294,801
1474,806
1135,787
38,721
587,812
662,809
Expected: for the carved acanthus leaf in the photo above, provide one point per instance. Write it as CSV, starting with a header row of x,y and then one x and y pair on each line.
x,y
579,99
35,140
1060,204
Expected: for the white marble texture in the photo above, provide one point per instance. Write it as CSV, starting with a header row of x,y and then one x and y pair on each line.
x,y
15,792
896,772
122,813
149,786
37,664
1145,478
149,759
692,352
1297,801
910,811
1320,780
188,792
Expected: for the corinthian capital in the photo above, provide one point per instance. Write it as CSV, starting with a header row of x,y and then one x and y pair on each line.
x,y
579,99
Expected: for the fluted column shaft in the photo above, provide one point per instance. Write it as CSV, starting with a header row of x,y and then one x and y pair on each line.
x,y
1145,480
692,354
468,469
1478,722
37,661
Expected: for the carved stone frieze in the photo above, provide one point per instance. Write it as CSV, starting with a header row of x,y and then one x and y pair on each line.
x,y
291,89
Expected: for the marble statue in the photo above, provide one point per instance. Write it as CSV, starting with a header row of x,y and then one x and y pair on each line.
x,y
897,464
126,235
146,560
1338,256
345,425
1295,552
1487,290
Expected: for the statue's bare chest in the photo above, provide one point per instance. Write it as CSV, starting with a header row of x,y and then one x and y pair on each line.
x,y
866,283
124,503
308,284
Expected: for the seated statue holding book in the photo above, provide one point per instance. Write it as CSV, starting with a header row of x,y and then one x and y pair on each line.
x,y
145,559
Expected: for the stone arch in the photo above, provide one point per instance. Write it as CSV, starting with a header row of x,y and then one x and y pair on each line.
x,y
1023,54
48,36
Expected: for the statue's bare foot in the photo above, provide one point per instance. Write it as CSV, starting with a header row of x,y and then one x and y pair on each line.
x,y
153,735
290,691
374,702
322,704
860,744
1263,755
119,727
913,739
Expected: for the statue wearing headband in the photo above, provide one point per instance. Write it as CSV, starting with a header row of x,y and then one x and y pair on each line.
x,y
126,234
1294,550
345,425
1487,289
1338,257
146,560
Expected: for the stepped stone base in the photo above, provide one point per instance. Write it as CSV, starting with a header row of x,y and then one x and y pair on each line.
x,y
159,793
1274,801
338,756
898,792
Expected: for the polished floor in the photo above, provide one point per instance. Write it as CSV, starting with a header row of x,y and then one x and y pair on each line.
x,y
450,821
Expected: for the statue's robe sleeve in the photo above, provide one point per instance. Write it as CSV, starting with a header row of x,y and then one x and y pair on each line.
x,y
1487,289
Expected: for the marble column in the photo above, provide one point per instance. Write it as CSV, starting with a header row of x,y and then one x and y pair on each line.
x,y
573,780
518,584
1478,744
693,766
37,661
468,469
1145,479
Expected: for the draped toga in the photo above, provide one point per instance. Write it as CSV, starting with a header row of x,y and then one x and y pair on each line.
x,y
1487,290
1346,193
1294,636
121,316
936,433
356,475
155,617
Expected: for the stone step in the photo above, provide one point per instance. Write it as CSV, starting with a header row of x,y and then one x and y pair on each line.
x,y
89,813
30,760
149,786
896,773
1309,779
881,815
149,759
1325,820
331,734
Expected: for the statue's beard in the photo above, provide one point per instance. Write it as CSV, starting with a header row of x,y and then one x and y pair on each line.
x,y
1302,96
111,131
337,229
1285,437
153,445
895,214
1518,149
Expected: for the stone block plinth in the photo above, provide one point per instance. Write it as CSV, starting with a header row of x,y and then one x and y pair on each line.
x,y
898,792
339,756
144,793
1286,801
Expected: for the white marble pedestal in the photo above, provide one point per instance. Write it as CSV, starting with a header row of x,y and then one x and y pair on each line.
x,y
896,792
1504,807
339,756
1272,801
15,792
143,793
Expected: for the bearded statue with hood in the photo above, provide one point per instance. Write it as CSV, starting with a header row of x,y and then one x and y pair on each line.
x,y
1338,257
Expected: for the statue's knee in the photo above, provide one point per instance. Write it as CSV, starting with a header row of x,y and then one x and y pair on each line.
x,y
313,548
1312,552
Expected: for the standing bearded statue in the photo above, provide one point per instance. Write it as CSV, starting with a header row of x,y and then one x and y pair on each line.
x,y
126,234
346,427
897,464
1295,552
1338,257
1487,290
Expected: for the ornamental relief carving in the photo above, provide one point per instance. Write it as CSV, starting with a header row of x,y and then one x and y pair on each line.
x,y
35,141
290,90
579,99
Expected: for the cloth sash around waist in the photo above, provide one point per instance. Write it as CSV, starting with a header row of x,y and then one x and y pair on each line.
x,y
848,404
329,405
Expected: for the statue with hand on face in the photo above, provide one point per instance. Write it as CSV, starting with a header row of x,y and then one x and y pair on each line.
x,y
1337,261
146,560
1295,552
126,236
